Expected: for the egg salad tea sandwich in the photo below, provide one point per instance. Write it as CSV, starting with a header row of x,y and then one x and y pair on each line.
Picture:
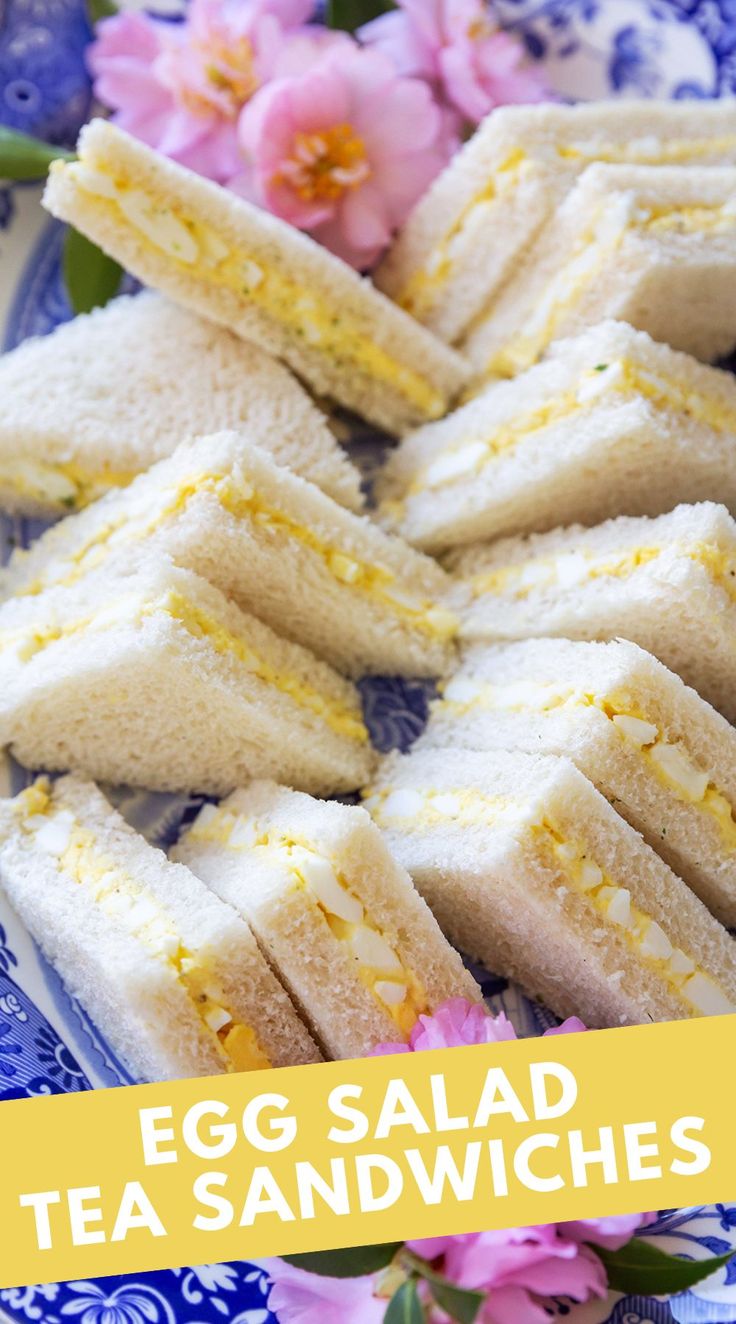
x,y
339,920
252,272
667,584
104,396
469,230
171,975
663,757
610,423
528,868
151,677
318,574
651,247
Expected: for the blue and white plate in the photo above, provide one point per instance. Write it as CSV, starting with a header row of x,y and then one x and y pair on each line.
x,y
591,49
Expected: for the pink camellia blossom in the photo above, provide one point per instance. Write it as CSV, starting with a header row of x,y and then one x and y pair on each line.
x,y
460,51
457,1022
519,1268
180,87
345,150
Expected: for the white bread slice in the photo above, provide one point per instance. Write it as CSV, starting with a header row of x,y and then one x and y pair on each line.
x,y
463,237
341,922
156,960
123,385
667,584
529,869
315,572
610,423
257,275
150,676
663,757
653,247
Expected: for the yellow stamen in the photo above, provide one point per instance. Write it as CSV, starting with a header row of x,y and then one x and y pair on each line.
x,y
324,165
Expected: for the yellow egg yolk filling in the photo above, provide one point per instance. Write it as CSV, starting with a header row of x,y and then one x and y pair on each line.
x,y
619,379
65,486
645,937
141,913
608,226
570,569
200,251
380,968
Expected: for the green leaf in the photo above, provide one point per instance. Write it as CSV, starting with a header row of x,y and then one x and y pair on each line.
x,y
92,278
457,1302
643,1269
348,1263
351,14
23,157
461,1304
405,1306
98,9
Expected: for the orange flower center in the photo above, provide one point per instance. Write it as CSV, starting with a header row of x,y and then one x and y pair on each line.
x,y
480,28
323,165
228,69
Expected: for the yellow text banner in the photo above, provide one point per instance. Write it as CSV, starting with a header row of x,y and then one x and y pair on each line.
x,y
346,1153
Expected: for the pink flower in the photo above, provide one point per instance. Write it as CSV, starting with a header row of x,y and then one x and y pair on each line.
x,y
181,86
344,150
456,46
611,1233
518,1267
298,1297
459,1022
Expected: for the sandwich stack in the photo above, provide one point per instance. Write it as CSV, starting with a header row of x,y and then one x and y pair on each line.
x,y
664,758
171,975
530,870
318,574
469,231
610,423
338,918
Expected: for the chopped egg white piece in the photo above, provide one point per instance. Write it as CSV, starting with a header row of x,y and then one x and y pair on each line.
x,y
320,877
680,770
706,996
391,993
635,729
655,943
404,803
372,949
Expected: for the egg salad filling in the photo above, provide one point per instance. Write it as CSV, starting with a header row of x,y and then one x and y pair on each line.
x,y
67,486
343,719
643,935
200,251
381,969
571,569
597,242
420,292
622,379
582,874
56,832
669,761
239,498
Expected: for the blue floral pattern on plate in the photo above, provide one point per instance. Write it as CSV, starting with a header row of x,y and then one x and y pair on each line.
x,y
591,48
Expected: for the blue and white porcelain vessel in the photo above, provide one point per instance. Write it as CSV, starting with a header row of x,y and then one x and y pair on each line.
x,y
591,49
